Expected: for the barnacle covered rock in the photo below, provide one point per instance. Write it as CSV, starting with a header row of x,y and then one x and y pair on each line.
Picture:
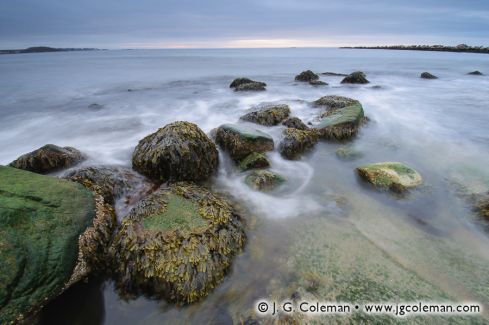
x,y
243,84
357,77
264,180
180,151
306,76
177,244
341,123
295,142
393,176
295,123
254,160
48,158
240,141
268,115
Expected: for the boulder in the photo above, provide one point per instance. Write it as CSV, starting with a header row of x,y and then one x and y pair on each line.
x,y
239,141
244,84
295,123
48,159
348,153
177,244
264,180
306,76
253,161
180,151
342,123
476,73
318,83
357,77
427,75
50,233
334,102
268,115
295,142
393,176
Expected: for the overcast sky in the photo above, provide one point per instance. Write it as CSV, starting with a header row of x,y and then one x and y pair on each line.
x,y
250,23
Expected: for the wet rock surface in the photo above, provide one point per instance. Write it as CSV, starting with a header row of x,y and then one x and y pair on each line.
x,y
306,76
393,176
246,84
334,102
253,161
476,73
357,77
296,142
268,115
341,124
295,123
264,180
427,75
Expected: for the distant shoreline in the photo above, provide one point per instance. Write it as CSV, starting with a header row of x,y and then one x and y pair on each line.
x,y
45,49
461,48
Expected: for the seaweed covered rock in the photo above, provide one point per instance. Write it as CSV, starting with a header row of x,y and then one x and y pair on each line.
x,y
253,161
476,73
295,142
268,115
295,123
180,151
112,181
357,77
239,141
334,102
342,123
393,176
245,84
427,75
49,231
264,180
48,158
177,244
306,76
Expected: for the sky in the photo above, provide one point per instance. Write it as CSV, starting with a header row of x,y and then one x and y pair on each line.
x,y
236,24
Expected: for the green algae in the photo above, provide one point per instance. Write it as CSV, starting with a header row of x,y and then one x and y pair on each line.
x,y
390,175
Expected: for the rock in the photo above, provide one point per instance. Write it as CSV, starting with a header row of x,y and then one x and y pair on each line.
x,y
47,159
243,84
253,161
177,244
357,77
333,74
348,153
263,180
476,73
239,141
295,142
50,231
318,83
306,76
481,207
112,181
180,151
95,106
268,115
342,123
334,102
394,176
427,75
295,123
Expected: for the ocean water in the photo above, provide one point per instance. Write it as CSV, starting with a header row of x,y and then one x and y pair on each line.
x,y
439,127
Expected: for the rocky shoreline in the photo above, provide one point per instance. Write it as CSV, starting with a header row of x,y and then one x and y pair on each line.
x,y
461,48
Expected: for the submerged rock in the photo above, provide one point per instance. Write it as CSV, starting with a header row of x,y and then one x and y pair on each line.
x,y
348,153
243,84
357,77
268,115
295,123
239,141
394,176
318,83
253,161
180,151
177,244
334,74
334,102
264,180
48,158
50,233
306,76
341,123
295,142
427,75
476,73
481,207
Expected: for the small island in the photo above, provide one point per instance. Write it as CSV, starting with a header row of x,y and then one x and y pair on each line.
x,y
44,49
464,48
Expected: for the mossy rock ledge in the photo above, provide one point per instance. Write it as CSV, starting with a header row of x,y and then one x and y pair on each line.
x,y
177,244
179,151
268,115
343,123
296,142
51,231
48,159
239,141
393,176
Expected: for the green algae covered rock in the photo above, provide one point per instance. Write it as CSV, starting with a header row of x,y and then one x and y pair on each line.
x,y
177,244
254,160
41,220
341,123
264,180
268,115
239,141
48,158
390,175
295,142
180,151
